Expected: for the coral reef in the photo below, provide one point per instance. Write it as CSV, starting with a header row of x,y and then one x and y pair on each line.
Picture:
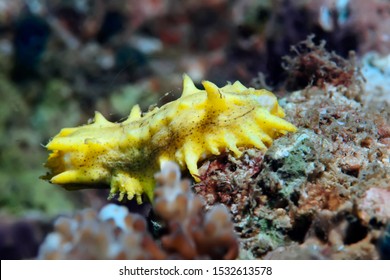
x,y
259,202
345,180
187,230
320,193
332,236
335,168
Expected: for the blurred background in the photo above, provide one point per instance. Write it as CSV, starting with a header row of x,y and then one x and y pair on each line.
x,y
62,60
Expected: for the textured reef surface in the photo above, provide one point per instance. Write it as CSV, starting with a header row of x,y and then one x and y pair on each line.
x,y
212,171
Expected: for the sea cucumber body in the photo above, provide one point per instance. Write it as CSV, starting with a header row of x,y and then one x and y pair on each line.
x,y
198,124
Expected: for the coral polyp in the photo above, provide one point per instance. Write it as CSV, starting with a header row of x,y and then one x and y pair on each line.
x,y
199,124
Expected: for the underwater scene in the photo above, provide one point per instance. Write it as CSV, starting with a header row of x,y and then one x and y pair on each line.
x,y
219,129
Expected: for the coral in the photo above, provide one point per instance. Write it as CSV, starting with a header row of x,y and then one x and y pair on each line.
x,y
376,71
338,211
285,171
192,233
259,188
198,124
333,235
290,163
354,131
111,234
187,230
334,168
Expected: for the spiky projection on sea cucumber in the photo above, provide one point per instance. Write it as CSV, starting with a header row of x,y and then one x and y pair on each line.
x,y
199,124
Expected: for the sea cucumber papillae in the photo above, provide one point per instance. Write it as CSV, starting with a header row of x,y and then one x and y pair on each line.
x,y
199,124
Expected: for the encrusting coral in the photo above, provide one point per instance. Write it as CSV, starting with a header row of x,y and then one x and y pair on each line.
x,y
337,163
199,124
189,231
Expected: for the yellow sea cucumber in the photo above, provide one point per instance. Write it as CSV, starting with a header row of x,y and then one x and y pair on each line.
x,y
199,124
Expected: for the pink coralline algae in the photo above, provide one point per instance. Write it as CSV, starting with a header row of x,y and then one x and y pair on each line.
x,y
375,203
